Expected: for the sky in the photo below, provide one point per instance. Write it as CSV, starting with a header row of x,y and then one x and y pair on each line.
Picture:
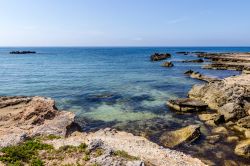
x,y
124,23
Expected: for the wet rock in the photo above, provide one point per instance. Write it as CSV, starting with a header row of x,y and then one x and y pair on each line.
x,y
243,148
247,133
183,52
212,118
184,135
199,76
213,139
220,130
167,64
193,61
187,104
158,56
230,163
231,139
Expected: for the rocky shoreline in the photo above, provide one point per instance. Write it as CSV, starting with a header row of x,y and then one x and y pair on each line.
x,y
228,99
55,139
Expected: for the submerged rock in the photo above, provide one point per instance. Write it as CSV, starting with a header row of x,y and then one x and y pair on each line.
x,y
212,139
243,148
158,56
167,64
193,61
184,135
187,104
183,52
212,119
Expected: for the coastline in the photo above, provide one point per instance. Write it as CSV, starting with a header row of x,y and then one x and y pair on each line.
x,y
24,118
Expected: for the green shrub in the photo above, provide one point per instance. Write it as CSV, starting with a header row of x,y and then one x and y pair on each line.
x,y
23,153
125,155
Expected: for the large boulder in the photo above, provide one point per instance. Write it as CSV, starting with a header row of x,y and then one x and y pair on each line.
x,y
187,104
243,148
184,135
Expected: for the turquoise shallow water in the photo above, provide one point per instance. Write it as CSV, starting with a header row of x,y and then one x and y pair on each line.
x,y
117,87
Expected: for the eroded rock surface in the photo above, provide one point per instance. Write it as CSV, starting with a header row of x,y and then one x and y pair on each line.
x,y
229,96
137,146
22,117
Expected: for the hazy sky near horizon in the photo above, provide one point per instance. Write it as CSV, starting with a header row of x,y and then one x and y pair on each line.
x,y
124,23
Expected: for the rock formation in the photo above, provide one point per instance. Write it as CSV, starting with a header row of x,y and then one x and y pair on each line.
x,y
167,64
158,56
184,135
199,76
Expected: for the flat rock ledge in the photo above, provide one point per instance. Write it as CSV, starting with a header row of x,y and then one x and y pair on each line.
x,y
187,105
22,118
199,76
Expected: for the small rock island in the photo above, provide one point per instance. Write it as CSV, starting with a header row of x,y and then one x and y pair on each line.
x,y
23,52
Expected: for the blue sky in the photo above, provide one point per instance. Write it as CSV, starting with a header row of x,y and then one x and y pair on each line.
x,y
124,23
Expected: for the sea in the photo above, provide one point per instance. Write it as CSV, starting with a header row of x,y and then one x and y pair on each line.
x,y
116,87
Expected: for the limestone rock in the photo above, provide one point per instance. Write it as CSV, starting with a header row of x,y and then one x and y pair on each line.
x,y
232,139
23,117
231,111
184,135
220,130
243,148
214,118
244,122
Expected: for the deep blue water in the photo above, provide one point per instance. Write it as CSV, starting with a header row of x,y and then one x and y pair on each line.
x,y
117,87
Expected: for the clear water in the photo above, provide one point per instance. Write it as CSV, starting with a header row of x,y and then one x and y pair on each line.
x,y
117,87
